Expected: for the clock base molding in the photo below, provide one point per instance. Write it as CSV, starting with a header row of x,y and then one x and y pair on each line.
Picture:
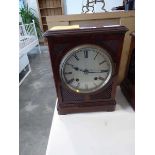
x,y
100,106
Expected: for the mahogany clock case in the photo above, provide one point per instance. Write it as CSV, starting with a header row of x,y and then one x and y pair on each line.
x,y
62,41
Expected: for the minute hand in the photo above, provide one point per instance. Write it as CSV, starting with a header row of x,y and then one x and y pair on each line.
x,y
101,71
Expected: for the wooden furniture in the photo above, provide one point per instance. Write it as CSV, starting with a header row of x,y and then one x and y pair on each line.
x,y
60,42
49,8
125,18
128,84
28,40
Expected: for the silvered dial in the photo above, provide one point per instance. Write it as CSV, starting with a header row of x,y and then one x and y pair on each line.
x,y
86,68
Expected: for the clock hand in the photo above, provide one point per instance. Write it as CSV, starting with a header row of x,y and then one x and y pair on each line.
x,y
85,70
101,71
76,68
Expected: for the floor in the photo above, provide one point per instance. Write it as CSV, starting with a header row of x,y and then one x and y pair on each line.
x,y
36,105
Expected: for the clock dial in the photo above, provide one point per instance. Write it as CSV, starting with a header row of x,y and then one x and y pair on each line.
x,y
86,68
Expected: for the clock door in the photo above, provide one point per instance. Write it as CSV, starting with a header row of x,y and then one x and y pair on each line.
x,y
86,69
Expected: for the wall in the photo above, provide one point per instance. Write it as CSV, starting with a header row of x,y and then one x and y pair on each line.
x,y
33,4
75,6
125,18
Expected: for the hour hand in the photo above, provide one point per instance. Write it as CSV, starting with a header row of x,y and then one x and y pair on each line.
x,y
74,67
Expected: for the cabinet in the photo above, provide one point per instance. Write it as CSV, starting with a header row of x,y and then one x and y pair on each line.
x,y
128,84
49,8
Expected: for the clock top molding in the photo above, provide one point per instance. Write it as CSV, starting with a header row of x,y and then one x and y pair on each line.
x,y
87,30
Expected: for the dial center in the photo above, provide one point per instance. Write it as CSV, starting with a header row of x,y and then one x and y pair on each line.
x,y
86,71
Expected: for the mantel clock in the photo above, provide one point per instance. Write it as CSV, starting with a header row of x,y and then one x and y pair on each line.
x,y
85,65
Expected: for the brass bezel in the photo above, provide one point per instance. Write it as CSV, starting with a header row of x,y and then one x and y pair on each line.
x,y
70,53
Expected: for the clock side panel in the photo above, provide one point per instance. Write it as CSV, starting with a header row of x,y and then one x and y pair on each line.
x,y
54,52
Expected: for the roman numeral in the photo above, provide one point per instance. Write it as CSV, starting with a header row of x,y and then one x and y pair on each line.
x,y
102,62
69,64
75,56
96,55
78,85
86,54
67,72
70,81
101,78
